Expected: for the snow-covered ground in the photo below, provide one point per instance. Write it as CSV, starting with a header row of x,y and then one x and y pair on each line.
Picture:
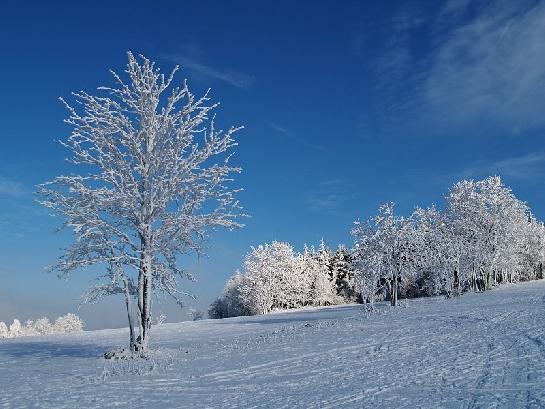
x,y
480,350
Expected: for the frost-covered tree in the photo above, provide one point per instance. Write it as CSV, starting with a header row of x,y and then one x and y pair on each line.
x,y
195,315
342,269
275,277
300,279
270,271
4,331
231,302
438,268
491,222
485,236
43,326
368,260
532,256
68,323
154,179
16,329
392,238
322,288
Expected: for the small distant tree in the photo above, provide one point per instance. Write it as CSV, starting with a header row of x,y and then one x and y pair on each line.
x,y
342,269
154,181
195,315
43,326
15,329
4,331
322,282
68,323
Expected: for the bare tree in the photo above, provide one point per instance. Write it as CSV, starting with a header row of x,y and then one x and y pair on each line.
x,y
154,181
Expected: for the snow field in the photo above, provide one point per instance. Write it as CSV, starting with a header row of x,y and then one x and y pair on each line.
x,y
478,350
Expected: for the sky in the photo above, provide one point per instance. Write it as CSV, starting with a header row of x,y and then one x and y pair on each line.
x,y
346,105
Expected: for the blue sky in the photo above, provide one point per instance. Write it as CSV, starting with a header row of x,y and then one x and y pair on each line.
x,y
345,105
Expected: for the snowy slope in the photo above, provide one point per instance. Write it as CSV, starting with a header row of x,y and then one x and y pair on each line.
x,y
481,350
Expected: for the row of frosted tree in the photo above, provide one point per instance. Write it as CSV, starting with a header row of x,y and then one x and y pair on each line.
x,y
275,277
42,326
483,236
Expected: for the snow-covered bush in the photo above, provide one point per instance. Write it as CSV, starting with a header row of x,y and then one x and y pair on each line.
x,y
64,324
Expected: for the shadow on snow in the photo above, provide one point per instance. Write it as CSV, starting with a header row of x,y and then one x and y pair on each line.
x,y
45,350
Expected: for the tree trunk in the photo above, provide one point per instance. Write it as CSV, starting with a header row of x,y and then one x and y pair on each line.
x,y
393,298
146,305
144,292
129,315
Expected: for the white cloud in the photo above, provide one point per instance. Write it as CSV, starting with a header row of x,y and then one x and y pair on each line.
x,y
485,68
453,8
393,63
331,196
234,78
291,135
526,167
409,17
11,188
492,69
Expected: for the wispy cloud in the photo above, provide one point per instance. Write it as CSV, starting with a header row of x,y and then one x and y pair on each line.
x,y
330,196
11,188
328,202
293,136
453,8
20,215
409,17
235,78
397,57
492,69
528,167
485,67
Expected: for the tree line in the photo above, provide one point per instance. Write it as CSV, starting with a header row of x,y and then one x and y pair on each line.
x,y
275,277
42,326
483,237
